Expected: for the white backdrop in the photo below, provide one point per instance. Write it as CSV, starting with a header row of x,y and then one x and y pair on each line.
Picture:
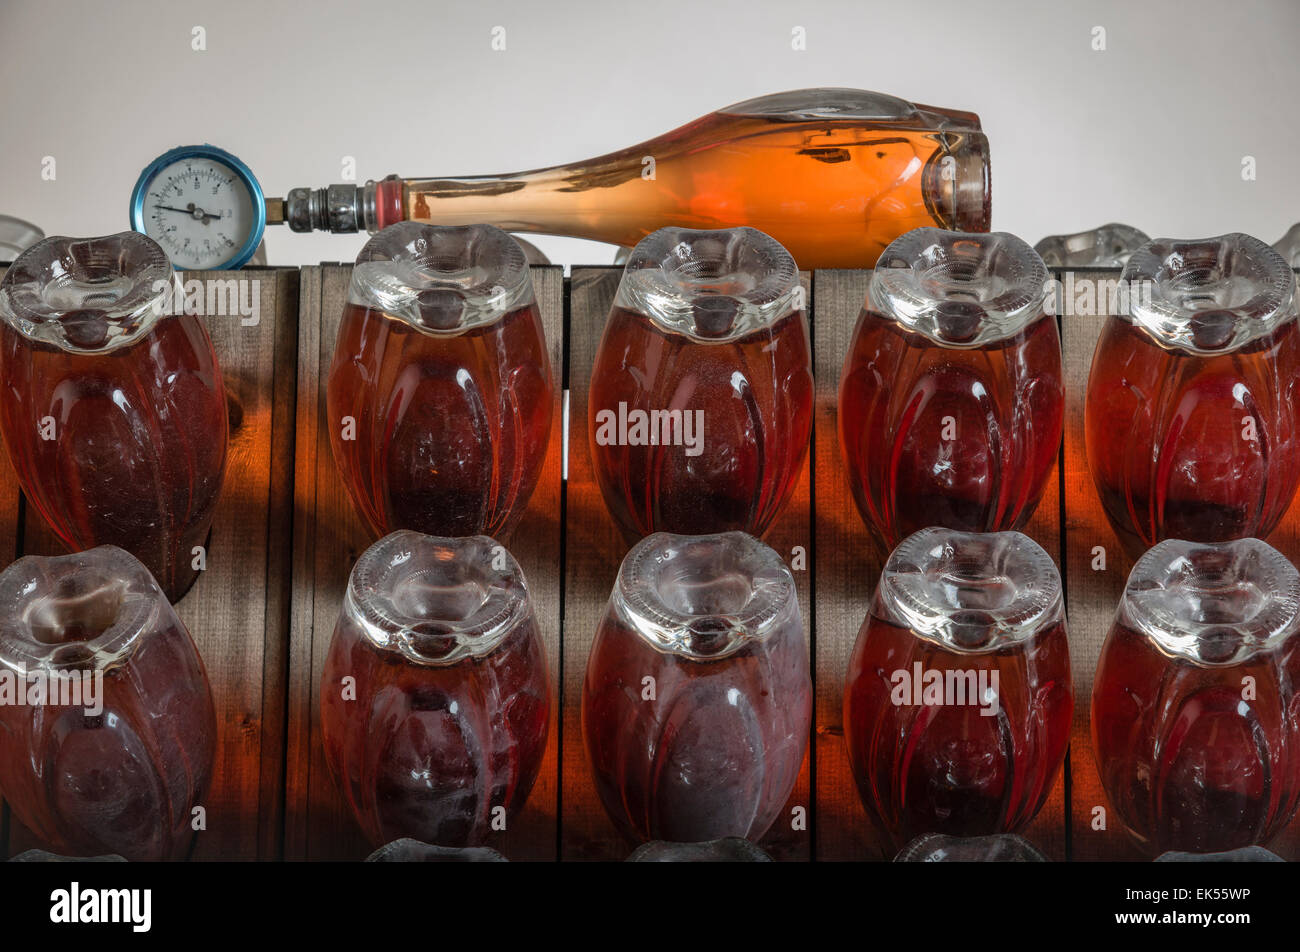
x,y
1151,131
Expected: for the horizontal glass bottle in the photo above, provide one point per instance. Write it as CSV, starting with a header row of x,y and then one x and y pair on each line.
x,y
834,175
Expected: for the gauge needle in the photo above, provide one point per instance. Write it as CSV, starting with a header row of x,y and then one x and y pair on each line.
x,y
197,214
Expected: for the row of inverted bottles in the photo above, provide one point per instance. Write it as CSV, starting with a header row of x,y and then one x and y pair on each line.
x,y
435,700
951,400
696,705
441,393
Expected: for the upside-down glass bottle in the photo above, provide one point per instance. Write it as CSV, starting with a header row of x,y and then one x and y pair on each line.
x,y
1106,246
951,402
959,695
1195,712
697,700
834,175
440,394
1190,416
701,394
435,700
114,409
116,750
994,848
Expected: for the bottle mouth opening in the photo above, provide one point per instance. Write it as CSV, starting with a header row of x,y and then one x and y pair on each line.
x,y
959,289
83,610
970,591
437,601
957,184
79,609
442,279
1210,295
704,597
710,285
88,294
1106,246
1213,603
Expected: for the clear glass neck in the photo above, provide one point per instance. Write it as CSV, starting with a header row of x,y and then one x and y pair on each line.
x,y
959,289
436,601
1209,295
1288,246
1213,603
704,597
89,295
85,611
971,592
710,285
1106,246
442,279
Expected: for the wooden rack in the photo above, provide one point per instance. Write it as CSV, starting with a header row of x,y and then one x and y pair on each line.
x,y
286,535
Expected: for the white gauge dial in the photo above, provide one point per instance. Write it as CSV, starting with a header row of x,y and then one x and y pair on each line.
x,y
200,211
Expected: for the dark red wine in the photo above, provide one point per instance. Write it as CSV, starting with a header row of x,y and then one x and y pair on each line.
x,y
951,403
1195,716
959,695
701,395
440,396
1191,421
435,701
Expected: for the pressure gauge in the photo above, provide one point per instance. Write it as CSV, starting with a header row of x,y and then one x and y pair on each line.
x,y
203,206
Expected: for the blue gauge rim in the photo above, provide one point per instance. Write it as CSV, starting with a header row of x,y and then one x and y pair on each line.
x,y
249,248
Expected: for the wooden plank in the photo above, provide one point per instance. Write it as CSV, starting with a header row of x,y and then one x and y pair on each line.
x,y
329,536
1091,596
236,610
594,549
847,568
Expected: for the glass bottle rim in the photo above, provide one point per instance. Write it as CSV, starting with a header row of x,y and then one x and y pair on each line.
x,y
1244,594
1119,241
959,289
970,592
442,280
1208,295
104,591
437,601
704,597
710,285
89,295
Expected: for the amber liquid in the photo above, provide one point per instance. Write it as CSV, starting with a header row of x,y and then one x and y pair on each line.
x,y
949,768
1169,436
126,780
834,192
938,436
139,447
451,430
430,751
756,395
714,753
1187,759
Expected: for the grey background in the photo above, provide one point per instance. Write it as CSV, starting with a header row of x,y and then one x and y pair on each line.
x,y
1151,132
